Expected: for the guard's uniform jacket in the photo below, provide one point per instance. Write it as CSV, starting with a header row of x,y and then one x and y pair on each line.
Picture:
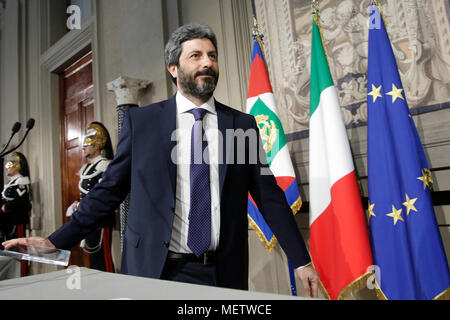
x,y
15,206
15,209
90,175
97,243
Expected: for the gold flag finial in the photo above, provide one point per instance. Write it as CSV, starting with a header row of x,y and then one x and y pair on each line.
x,y
315,6
377,3
316,16
257,35
255,27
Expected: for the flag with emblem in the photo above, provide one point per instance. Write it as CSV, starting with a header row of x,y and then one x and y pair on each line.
x,y
339,241
406,242
261,104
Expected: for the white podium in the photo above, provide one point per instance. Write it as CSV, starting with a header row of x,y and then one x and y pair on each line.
x,y
9,268
77,283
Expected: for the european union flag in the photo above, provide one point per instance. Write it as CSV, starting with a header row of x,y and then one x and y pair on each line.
x,y
406,243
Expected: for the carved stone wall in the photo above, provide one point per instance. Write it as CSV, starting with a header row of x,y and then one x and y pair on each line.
x,y
419,31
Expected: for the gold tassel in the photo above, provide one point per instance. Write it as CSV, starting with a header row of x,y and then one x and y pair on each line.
x,y
444,295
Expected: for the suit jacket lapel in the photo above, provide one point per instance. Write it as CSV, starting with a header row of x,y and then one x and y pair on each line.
x,y
224,122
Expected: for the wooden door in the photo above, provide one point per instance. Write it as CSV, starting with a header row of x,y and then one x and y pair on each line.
x,y
77,111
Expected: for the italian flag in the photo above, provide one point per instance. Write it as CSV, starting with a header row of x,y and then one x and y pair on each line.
x,y
261,104
339,243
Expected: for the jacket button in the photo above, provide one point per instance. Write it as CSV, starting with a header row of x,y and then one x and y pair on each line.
x,y
166,244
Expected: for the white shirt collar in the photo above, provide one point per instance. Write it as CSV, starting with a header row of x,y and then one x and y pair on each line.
x,y
185,105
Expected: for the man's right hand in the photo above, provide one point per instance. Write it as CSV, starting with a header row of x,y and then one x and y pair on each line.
x,y
32,241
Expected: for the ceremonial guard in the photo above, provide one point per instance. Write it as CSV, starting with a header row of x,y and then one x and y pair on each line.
x,y
98,152
15,207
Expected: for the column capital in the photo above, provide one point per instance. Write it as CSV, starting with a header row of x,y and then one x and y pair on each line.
x,y
126,89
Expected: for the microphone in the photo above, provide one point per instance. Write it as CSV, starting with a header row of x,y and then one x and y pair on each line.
x,y
15,128
29,126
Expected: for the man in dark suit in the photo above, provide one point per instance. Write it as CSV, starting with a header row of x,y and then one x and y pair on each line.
x,y
164,237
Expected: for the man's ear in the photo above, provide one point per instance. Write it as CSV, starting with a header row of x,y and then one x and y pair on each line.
x,y
173,70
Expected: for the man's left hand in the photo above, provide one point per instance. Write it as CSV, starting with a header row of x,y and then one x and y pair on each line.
x,y
310,280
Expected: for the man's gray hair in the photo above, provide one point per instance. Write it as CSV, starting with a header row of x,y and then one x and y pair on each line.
x,y
184,33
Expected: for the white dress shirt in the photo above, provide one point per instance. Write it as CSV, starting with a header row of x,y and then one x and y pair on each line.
x,y
182,156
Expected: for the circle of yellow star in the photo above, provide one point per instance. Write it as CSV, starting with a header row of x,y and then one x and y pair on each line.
x,y
370,209
396,215
426,178
409,204
395,93
375,93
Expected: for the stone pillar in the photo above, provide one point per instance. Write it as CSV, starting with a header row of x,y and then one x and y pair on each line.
x,y
127,93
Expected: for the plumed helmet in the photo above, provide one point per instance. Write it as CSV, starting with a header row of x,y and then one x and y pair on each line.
x,y
95,136
17,160
13,161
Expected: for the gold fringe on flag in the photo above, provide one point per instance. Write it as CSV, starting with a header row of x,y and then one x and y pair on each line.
x,y
444,295
269,244
321,286
295,207
355,286
380,293
352,288
323,290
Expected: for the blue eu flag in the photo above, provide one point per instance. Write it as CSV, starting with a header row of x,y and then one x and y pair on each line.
x,y
406,243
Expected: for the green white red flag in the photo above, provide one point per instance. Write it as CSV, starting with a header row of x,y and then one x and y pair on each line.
x,y
339,243
261,104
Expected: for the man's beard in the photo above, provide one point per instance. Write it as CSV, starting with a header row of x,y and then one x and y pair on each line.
x,y
202,89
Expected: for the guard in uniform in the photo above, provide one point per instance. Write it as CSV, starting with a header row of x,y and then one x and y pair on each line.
x,y
15,206
98,152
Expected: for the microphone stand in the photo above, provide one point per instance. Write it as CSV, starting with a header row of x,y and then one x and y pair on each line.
x,y
15,129
11,150
30,125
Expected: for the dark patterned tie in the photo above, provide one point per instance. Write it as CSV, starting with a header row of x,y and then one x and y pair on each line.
x,y
199,234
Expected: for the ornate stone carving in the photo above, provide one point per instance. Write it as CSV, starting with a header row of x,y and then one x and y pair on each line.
x,y
127,89
420,35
